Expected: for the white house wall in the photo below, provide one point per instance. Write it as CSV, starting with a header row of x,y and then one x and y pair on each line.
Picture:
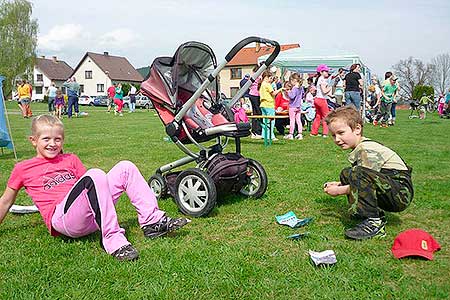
x,y
98,77
45,83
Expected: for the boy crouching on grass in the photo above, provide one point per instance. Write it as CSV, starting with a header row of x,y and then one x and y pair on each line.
x,y
378,180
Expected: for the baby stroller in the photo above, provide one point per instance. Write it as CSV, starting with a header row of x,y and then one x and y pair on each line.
x,y
185,92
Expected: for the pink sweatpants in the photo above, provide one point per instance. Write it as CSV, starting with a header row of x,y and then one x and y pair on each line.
x,y
322,111
441,108
119,104
89,206
295,114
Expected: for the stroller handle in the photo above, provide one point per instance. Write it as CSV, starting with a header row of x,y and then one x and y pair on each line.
x,y
255,39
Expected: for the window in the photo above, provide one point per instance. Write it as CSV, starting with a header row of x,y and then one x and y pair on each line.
x,y
100,88
63,90
233,91
81,88
88,74
235,73
39,90
39,77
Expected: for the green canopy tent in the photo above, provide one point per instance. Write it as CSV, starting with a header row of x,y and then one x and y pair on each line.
x,y
303,61
306,60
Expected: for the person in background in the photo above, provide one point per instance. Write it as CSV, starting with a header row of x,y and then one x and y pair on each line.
x,y
111,92
387,97
59,103
24,92
73,91
118,100
320,101
256,109
267,96
51,94
295,106
282,107
132,94
339,87
353,84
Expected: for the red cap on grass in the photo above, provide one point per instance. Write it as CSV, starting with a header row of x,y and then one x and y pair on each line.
x,y
415,242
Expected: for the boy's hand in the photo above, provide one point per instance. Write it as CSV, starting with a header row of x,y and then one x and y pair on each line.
x,y
331,183
332,190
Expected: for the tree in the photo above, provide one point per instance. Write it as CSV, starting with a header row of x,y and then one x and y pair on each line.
x,y
18,39
412,72
441,76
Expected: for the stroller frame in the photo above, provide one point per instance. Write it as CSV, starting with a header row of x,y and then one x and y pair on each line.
x,y
201,201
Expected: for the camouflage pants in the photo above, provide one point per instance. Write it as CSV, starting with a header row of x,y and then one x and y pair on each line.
x,y
372,192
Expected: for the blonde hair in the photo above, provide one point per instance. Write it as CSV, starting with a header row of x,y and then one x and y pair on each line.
x,y
45,120
348,114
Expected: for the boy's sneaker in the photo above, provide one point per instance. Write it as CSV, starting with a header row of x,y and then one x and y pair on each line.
x,y
288,137
163,226
257,137
126,253
369,228
299,137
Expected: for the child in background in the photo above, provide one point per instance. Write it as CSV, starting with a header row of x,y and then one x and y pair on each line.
x,y
378,180
320,102
311,94
295,106
118,100
267,94
441,104
282,107
59,103
75,202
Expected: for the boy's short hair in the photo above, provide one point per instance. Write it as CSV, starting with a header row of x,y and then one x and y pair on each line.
x,y
41,120
348,114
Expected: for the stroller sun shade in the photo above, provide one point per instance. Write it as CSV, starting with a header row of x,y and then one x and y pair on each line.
x,y
172,79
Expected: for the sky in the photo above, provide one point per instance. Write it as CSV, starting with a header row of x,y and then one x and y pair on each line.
x,y
381,32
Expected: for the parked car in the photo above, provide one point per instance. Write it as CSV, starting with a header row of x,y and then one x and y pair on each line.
x,y
141,102
86,100
101,101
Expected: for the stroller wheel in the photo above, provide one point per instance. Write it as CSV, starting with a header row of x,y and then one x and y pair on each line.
x,y
257,184
196,193
158,185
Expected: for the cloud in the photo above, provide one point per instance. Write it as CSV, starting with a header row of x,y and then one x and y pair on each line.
x,y
62,36
119,38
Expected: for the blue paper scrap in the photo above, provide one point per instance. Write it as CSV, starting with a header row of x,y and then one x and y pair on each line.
x,y
297,236
291,220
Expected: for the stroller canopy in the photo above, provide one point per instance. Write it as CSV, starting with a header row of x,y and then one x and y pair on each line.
x,y
191,65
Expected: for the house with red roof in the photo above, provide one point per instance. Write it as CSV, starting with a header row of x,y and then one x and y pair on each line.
x,y
47,70
243,63
96,72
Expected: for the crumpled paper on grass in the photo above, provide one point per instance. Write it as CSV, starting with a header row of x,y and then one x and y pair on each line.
x,y
327,257
291,220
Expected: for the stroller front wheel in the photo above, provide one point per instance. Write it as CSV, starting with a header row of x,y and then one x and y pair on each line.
x,y
158,185
257,184
196,193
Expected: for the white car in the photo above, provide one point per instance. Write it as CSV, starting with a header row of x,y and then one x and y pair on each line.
x,y
141,101
86,100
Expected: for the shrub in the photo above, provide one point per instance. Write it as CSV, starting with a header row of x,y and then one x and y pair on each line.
x,y
421,90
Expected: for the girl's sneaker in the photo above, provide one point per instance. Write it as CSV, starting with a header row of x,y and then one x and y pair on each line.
x,y
289,137
299,137
164,226
126,253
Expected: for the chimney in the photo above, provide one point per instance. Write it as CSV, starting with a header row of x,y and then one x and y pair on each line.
x,y
105,53
54,58
42,56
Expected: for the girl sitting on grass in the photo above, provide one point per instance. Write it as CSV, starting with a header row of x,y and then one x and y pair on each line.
x,y
75,202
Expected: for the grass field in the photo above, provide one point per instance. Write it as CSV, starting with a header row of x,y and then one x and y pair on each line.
x,y
238,252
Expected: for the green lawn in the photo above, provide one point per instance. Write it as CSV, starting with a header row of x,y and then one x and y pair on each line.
x,y
239,252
